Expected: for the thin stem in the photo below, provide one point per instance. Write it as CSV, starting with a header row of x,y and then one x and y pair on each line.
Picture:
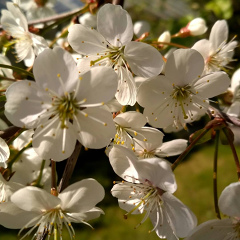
x,y
235,156
189,148
55,231
170,44
54,179
68,171
215,193
7,78
10,163
17,69
38,181
118,2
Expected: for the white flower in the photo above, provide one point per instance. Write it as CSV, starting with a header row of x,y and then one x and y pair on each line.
x,y
217,53
182,94
37,9
130,125
27,45
148,187
27,167
140,27
62,106
34,207
6,72
111,46
226,229
159,149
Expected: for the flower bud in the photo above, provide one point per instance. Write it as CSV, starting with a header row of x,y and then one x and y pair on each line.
x,y
141,27
88,20
194,28
165,37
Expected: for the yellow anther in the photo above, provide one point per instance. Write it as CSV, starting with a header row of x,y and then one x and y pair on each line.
x,y
105,124
29,84
26,98
82,41
144,139
80,78
58,75
133,148
86,115
63,151
46,89
102,103
122,142
135,133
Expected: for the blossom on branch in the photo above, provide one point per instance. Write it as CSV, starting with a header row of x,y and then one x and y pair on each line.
x,y
63,106
111,45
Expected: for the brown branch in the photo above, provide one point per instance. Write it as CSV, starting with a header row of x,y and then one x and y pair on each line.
x,y
118,2
9,132
71,162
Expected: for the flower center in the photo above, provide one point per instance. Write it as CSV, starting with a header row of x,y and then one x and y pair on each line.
x,y
180,94
65,107
49,222
111,57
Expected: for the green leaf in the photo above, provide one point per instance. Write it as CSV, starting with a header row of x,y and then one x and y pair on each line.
x,y
208,136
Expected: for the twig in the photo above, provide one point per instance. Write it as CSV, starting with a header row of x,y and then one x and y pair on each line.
x,y
215,193
9,132
118,2
68,171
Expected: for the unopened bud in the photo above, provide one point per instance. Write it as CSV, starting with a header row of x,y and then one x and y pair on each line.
x,y
194,28
141,27
164,37
88,20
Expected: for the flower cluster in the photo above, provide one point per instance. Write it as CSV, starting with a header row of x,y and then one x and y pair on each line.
x,y
121,93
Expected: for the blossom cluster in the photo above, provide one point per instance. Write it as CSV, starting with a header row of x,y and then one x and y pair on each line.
x,y
111,88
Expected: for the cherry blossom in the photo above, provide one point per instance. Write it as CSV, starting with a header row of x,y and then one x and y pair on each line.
x,y
147,187
27,45
227,228
217,53
36,208
181,95
63,106
111,45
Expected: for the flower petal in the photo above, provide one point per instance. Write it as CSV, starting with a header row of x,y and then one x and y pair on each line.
x,y
52,67
180,216
86,40
143,59
183,66
34,199
81,196
94,127
219,33
229,201
213,229
97,85
25,102
115,24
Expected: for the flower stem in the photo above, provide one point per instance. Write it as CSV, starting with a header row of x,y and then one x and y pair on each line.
x,y
54,179
235,156
170,44
189,148
38,181
68,171
215,194
17,69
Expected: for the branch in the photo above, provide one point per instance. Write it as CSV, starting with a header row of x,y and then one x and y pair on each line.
x,y
118,2
71,162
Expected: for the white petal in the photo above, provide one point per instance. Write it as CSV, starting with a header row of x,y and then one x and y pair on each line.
x,y
183,66
85,40
212,84
131,119
53,65
158,172
95,127
115,24
23,139
204,47
229,201
25,103
98,85
143,59
86,216
81,196
14,217
171,148
34,199
124,163
51,141
4,151
30,57
127,91
219,33
213,229
181,217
